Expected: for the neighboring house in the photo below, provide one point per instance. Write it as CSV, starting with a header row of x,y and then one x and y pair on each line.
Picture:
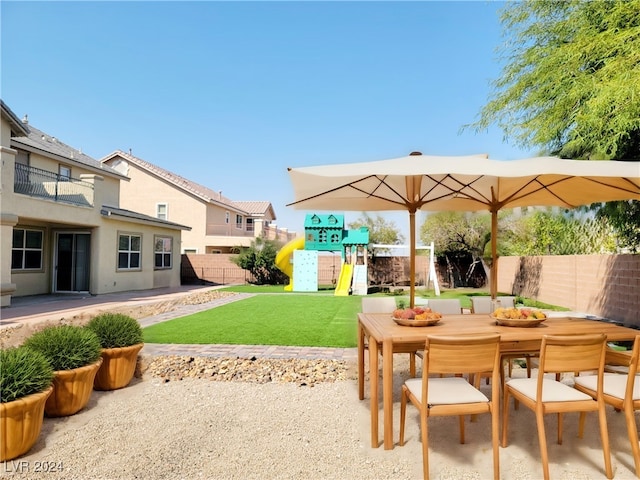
x,y
218,224
62,228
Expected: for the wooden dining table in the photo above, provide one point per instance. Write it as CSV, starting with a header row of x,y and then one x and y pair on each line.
x,y
385,336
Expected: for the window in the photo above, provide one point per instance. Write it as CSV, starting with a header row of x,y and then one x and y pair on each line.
x,y
161,211
26,253
239,221
129,248
22,157
64,173
163,250
226,217
250,227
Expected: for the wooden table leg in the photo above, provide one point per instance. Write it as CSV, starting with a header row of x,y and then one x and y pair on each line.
x,y
387,392
373,386
360,361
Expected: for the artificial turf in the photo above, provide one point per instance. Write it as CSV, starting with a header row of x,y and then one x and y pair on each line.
x,y
295,320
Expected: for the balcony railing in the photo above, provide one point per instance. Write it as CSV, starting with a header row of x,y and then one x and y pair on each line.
x,y
232,230
36,182
228,230
273,233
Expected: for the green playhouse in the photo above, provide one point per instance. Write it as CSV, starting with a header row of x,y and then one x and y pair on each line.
x,y
298,259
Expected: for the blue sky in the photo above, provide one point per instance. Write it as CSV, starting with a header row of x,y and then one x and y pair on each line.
x,y
230,94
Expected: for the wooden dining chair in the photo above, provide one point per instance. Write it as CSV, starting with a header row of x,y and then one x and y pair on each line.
x,y
622,391
481,305
561,354
507,302
386,305
445,306
454,396
484,304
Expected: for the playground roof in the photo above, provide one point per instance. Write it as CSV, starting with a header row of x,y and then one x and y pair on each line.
x,y
356,237
324,221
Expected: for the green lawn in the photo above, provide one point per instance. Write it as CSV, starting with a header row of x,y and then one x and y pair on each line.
x,y
300,320
319,319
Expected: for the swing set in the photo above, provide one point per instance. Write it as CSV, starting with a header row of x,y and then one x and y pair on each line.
x,y
431,269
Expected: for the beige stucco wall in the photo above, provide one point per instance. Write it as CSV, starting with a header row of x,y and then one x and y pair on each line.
x,y
35,282
145,191
7,219
106,278
50,216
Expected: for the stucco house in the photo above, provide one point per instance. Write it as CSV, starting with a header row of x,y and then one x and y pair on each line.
x,y
218,224
62,227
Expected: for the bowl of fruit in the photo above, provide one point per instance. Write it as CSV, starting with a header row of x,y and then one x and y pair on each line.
x,y
416,317
518,317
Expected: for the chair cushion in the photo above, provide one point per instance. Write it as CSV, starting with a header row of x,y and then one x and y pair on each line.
x,y
447,391
616,369
552,391
613,384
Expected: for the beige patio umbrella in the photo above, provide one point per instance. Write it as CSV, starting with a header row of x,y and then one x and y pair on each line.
x,y
464,183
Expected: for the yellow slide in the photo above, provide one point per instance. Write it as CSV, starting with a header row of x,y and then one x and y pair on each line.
x,y
344,281
283,259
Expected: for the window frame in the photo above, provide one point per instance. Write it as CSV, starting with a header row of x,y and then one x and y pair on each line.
x,y
164,254
130,252
166,211
64,173
24,249
240,223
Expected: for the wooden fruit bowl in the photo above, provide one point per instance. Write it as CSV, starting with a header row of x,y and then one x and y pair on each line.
x,y
407,322
518,322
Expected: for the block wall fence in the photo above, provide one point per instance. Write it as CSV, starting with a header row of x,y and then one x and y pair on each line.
x,y
603,285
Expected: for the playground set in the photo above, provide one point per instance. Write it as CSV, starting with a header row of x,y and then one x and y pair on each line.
x,y
298,259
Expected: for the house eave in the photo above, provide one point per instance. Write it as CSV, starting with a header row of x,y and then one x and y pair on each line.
x,y
16,143
133,217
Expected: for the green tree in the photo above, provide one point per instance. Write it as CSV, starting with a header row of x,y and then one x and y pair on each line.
x,y
572,79
259,259
381,231
459,235
553,232
570,86
624,218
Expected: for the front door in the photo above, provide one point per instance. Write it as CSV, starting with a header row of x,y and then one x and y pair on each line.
x,y
72,262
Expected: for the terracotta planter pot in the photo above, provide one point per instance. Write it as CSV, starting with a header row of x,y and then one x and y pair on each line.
x,y
71,390
21,423
118,367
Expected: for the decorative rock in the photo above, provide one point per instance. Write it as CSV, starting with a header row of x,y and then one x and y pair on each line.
x,y
261,370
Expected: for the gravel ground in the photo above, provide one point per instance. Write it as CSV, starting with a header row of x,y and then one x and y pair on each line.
x,y
197,428
211,418
161,427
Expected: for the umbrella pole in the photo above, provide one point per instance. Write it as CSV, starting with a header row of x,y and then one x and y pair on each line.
x,y
412,258
494,254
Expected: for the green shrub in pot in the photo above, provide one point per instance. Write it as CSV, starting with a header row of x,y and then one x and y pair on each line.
x,y
121,339
25,384
66,346
23,371
74,353
116,330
